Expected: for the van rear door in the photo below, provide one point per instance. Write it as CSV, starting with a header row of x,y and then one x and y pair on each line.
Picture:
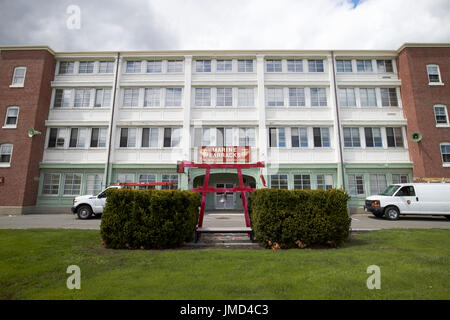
x,y
409,202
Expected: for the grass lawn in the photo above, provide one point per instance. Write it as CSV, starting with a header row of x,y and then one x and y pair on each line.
x,y
415,264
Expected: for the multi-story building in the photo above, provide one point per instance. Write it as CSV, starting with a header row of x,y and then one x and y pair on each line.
x,y
318,119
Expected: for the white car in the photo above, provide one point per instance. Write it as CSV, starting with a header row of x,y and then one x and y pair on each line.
x,y
411,198
86,206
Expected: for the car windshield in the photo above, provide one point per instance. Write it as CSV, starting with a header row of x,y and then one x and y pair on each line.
x,y
389,191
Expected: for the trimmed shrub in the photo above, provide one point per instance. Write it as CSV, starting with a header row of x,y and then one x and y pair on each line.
x,y
299,218
149,219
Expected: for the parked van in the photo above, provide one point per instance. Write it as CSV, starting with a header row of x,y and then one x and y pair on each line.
x,y
411,198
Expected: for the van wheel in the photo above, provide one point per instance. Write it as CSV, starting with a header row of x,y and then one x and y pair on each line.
x,y
84,212
392,213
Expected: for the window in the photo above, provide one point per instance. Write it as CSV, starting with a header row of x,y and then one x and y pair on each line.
x,y
356,184
125,177
321,137
295,65
344,66
279,181
77,138
434,76
147,178
273,66
133,67
247,137
373,137
202,97
275,97
302,181
171,137
130,97
394,137
62,98
245,97
389,97
224,66
150,137
5,154
315,65
351,138
384,66
364,65
19,77
347,97
169,178
440,114
224,97
296,97
368,97
12,115
86,67
72,184
277,138
324,181
94,183
206,137
50,185
173,97
82,98
174,66
128,137
56,138
106,67
154,66
102,98
318,97
445,151
152,97
407,191
66,67
98,137
299,137
245,65
203,66
399,178
224,137
378,183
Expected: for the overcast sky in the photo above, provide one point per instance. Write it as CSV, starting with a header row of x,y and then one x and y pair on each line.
x,y
223,24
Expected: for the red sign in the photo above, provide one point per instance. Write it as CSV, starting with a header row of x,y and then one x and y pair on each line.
x,y
224,154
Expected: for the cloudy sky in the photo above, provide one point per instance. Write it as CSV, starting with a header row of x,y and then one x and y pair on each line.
x,y
223,24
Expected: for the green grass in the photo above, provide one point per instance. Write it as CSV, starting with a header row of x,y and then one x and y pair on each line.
x,y
414,264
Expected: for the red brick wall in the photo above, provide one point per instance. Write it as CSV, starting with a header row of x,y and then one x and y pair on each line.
x,y
21,179
418,99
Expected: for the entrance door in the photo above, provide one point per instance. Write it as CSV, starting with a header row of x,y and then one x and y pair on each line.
x,y
227,201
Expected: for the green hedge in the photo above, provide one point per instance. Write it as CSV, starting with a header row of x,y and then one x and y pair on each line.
x,y
299,218
146,219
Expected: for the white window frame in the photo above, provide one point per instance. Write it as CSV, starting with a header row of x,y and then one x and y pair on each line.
x,y
132,97
85,97
200,66
319,96
94,183
102,135
352,181
224,65
152,132
173,97
125,177
367,90
244,65
11,126
365,64
400,176
134,69
378,186
273,64
82,136
294,65
302,181
154,66
395,130
244,96
175,66
175,139
61,133
105,103
313,65
279,133
278,177
445,144
66,98
107,68
296,99
202,97
4,146
322,135
353,138
169,177
346,100
73,193
344,63
247,137
373,137
434,83
323,186
300,141
14,78
155,97
51,184
224,98
446,124
70,66
84,66
392,103
135,130
273,96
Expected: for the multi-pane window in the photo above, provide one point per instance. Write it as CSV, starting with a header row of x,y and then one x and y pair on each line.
x,y
98,137
433,73
318,97
72,184
245,65
174,66
5,153
202,97
12,114
77,137
82,98
384,66
94,183
440,114
86,67
102,98
247,137
171,137
150,137
147,178
399,178
206,137
273,66
277,137
246,97
389,97
364,65
106,67
378,183
368,97
50,185
347,97
324,181
279,181
394,137
131,97
133,67
295,65
356,184
203,66
62,98
125,177
299,137
275,97
66,67
19,76
154,66
173,178
373,137
128,137
173,97
344,66
321,137
302,181
297,97
351,138
224,97
224,137
56,138
152,97
315,65
224,66
445,151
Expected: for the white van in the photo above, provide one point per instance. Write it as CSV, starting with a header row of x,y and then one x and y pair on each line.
x,y
411,198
